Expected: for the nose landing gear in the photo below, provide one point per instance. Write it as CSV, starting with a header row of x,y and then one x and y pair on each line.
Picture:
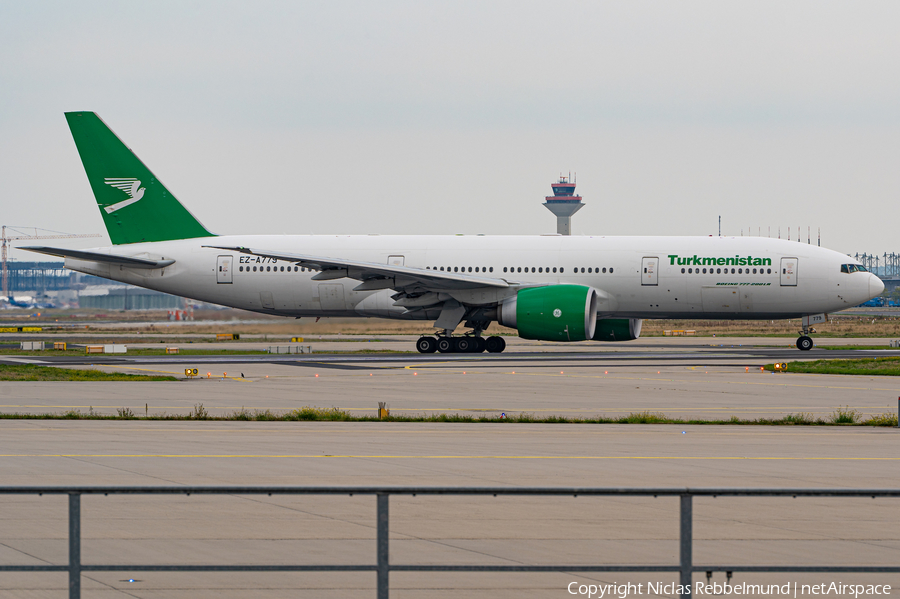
x,y
805,342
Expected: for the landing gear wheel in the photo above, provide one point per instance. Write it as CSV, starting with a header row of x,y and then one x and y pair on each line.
x,y
495,345
804,343
446,345
465,345
426,345
479,345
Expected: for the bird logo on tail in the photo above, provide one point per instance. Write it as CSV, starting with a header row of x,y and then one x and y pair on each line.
x,y
129,185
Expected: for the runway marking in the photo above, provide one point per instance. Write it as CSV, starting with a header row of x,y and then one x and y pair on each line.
x,y
442,457
24,361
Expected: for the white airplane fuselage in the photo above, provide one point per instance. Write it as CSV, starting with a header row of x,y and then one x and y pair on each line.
x,y
689,277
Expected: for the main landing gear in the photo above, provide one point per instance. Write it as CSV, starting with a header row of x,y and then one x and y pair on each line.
x,y
467,344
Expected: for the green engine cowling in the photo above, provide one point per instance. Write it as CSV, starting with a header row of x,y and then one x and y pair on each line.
x,y
553,313
618,329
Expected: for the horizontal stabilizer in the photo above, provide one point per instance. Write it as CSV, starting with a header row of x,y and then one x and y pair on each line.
x,y
100,257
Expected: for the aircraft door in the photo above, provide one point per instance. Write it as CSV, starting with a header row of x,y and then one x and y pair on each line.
x,y
649,271
223,269
788,272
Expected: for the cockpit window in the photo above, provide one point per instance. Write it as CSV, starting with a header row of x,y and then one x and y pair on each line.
x,y
853,268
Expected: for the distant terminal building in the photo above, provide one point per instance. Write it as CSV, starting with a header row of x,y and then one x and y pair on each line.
x,y
563,203
51,284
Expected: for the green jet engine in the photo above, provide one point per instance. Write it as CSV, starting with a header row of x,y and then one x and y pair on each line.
x,y
554,313
618,329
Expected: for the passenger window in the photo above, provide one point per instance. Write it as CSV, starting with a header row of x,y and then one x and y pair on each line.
x,y
682,271
520,269
541,269
610,270
492,269
604,269
582,269
769,270
470,269
554,269
561,269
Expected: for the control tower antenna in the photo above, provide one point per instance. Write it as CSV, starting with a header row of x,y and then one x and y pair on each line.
x,y
563,203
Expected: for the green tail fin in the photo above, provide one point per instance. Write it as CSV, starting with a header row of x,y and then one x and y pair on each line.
x,y
134,204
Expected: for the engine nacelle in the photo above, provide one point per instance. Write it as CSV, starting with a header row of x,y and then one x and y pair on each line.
x,y
554,313
618,329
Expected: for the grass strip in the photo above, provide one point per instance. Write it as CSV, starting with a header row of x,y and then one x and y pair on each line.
x,y
34,372
840,417
860,366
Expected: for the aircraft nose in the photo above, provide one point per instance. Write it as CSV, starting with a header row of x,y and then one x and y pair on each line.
x,y
876,286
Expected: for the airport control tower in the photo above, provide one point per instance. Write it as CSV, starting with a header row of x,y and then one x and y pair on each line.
x,y
563,203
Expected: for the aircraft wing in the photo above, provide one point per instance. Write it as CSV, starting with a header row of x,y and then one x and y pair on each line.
x,y
128,261
377,276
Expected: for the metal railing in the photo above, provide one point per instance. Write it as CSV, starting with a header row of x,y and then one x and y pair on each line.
x,y
382,566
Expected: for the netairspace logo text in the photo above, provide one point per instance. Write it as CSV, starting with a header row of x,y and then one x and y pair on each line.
x,y
622,591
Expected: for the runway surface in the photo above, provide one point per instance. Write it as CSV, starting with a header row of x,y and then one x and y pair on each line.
x,y
457,530
677,379
396,349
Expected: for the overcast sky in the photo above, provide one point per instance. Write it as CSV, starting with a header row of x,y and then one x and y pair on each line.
x,y
455,117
